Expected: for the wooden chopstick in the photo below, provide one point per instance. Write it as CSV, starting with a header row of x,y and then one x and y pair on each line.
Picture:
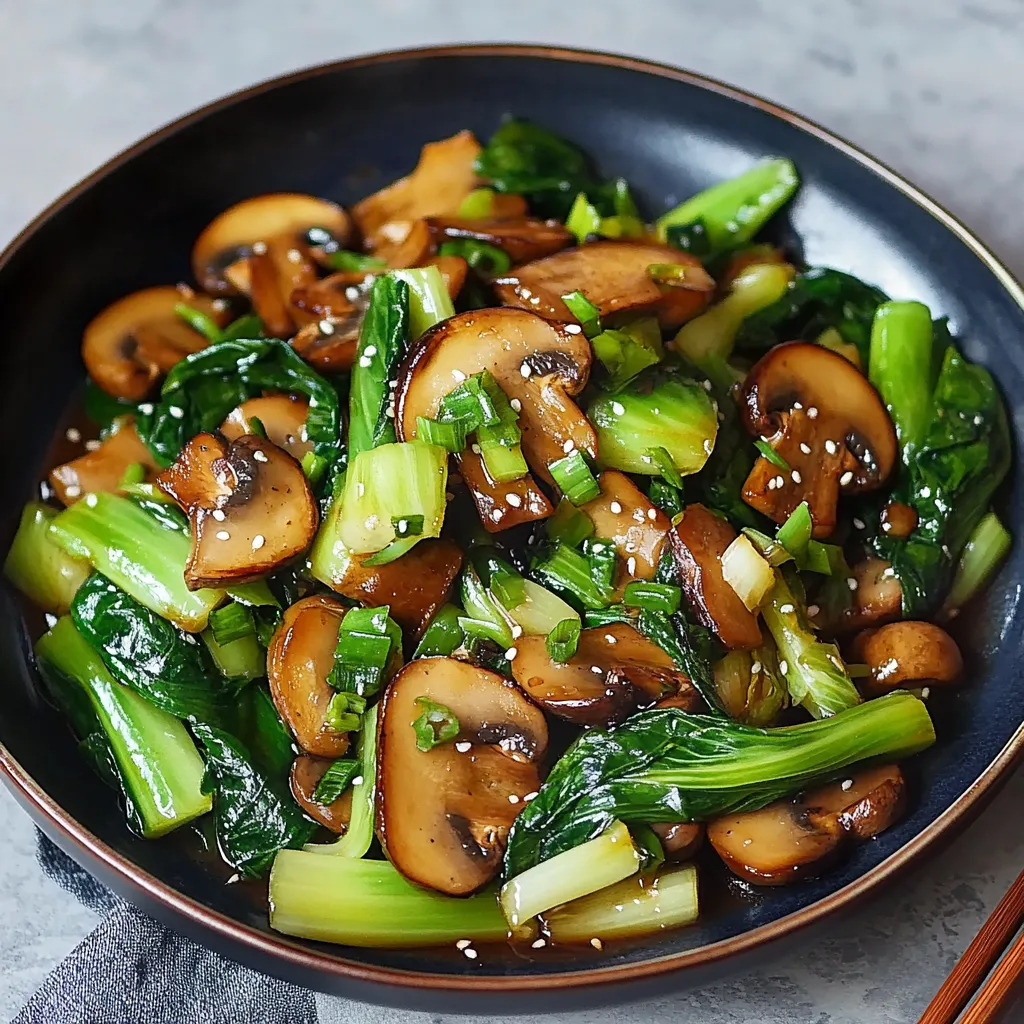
x,y
996,933
999,988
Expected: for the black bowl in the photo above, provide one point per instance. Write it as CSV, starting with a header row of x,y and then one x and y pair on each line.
x,y
345,129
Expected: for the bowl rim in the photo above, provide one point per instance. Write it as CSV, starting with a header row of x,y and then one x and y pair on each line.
x,y
279,947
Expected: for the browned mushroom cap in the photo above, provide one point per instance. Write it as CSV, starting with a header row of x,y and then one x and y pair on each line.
x,y
274,275
681,840
877,597
440,181
522,238
136,340
614,671
539,365
904,654
698,542
614,276
283,418
306,773
413,586
502,506
444,814
299,658
102,469
863,804
249,506
624,515
245,229
776,845
820,413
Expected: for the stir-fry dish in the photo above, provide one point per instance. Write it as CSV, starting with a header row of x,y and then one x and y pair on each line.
x,y
484,561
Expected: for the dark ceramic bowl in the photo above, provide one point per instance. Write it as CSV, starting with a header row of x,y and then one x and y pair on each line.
x,y
341,131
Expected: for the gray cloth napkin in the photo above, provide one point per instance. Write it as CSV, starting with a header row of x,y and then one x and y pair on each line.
x,y
132,970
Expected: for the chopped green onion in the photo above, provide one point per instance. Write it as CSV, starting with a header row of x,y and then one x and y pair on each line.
x,y
231,621
771,454
810,555
627,351
256,427
367,638
336,780
199,322
407,526
478,204
574,478
584,219
667,497
133,474
653,597
485,629
436,725
442,636
563,640
345,711
354,262
488,259
603,559
569,525
569,571
663,460
508,588
588,315
450,435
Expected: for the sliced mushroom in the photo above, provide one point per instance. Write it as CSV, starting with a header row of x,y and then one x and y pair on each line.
x,y
624,515
502,506
538,364
522,238
877,596
413,586
444,814
102,469
615,671
777,844
283,418
823,417
615,277
274,275
130,345
299,658
249,506
698,542
442,178
248,227
306,773
681,840
863,805
910,654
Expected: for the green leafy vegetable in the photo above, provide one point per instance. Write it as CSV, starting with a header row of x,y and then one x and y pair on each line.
x,y
368,639
628,351
771,454
443,636
482,257
570,573
574,478
653,597
232,621
569,525
436,724
667,765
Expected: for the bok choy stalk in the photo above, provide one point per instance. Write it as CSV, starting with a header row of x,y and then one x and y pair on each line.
x,y
750,687
137,554
660,409
987,547
814,672
730,213
144,751
665,764
242,659
635,906
429,299
42,570
145,653
369,903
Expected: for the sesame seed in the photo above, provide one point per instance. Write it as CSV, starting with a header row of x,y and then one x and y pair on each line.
x,y
812,610
517,631
796,476
846,478
93,445
783,667
462,746
326,327
805,448
471,953
51,620
707,385
476,449
771,484
294,256
258,541
73,434
531,796
259,248
510,654
831,447
755,668
631,566
798,405
573,328
646,459
812,413
779,482
260,456
859,523
597,943
458,375
360,489
978,420
223,535
176,412
541,943
925,691
357,781
218,304
513,499
615,507
652,513
517,406
512,798
568,446
370,350
73,490
352,293
852,583
618,408
597,670
463,943
497,514
364,361
526,369
786,609
847,785
611,639
146,408
372,521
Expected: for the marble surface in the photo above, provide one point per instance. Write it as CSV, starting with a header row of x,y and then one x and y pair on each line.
x,y
932,89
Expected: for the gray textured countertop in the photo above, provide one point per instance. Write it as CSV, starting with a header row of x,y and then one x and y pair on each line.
x,y
935,90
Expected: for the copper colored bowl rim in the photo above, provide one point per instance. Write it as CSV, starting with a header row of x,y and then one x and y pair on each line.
x,y
954,818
